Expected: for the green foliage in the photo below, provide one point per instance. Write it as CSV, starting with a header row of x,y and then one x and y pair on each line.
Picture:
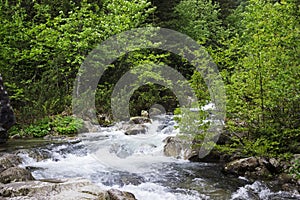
x,y
56,125
45,42
260,147
262,75
255,45
200,88
199,19
66,125
192,125
140,63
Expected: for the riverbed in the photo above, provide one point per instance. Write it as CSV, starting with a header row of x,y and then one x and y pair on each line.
x,y
137,164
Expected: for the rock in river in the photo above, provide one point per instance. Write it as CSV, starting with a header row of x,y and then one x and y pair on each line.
x,y
178,148
136,129
15,174
66,189
9,160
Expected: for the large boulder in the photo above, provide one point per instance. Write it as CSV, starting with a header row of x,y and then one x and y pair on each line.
x,y
214,156
8,161
15,174
89,127
65,189
241,166
253,167
178,148
120,195
139,120
7,117
136,129
136,125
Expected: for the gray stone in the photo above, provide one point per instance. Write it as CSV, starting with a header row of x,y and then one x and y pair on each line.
x,y
36,154
89,127
139,120
9,160
252,167
241,166
120,195
136,129
274,162
65,189
178,148
15,174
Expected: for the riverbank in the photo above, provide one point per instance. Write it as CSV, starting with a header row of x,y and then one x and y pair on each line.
x,y
114,159
279,173
18,183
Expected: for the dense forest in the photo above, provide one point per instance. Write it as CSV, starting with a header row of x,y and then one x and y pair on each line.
x,y
255,44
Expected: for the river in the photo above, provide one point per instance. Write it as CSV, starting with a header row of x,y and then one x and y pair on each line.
x,y
137,164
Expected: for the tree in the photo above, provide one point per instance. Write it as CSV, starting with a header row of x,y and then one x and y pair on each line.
x,y
200,20
43,46
263,74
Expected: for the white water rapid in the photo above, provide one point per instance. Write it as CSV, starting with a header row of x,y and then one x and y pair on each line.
x,y
137,164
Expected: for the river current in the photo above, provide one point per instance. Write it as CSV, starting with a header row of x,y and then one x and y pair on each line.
x,y
137,164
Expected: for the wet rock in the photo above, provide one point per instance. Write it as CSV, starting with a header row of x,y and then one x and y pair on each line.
x,y
289,187
139,120
241,166
136,129
33,168
135,126
65,189
120,195
36,154
132,179
274,162
89,127
213,157
273,165
252,167
178,148
15,174
8,161
260,172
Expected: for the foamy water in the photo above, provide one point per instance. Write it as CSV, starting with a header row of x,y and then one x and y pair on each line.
x,y
137,164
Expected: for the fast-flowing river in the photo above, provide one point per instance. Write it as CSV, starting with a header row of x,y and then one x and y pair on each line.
x,y
137,164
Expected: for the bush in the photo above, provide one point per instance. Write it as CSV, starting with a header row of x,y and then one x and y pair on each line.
x,y
56,125
66,125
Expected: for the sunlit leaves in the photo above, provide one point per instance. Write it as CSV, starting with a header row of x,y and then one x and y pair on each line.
x,y
44,43
263,88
